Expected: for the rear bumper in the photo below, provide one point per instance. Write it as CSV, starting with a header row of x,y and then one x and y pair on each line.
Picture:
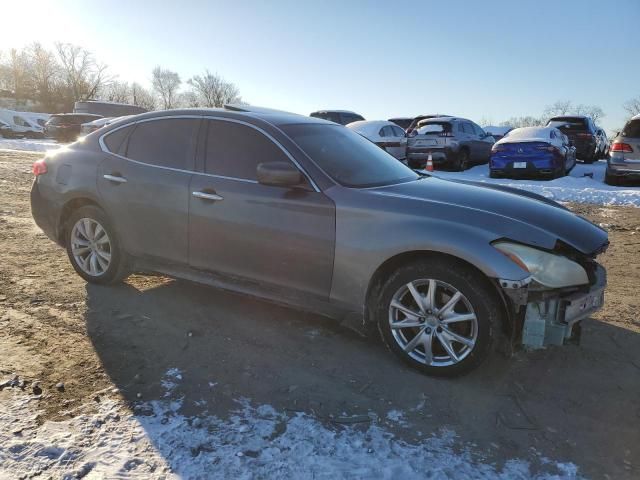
x,y
418,156
621,168
45,213
506,166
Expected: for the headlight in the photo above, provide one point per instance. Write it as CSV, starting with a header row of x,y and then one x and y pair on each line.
x,y
548,269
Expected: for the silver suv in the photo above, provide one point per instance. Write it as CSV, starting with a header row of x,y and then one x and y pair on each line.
x,y
624,154
451,141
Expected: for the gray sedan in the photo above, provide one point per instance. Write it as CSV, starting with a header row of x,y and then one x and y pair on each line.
x,y
305,212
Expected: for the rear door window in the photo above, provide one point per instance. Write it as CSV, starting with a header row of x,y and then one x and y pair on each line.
x,y
164,143
114,141
397,131
235,150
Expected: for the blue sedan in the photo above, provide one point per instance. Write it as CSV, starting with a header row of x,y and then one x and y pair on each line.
x,y
532,152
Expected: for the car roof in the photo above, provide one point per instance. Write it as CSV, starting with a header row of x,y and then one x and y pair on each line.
x,y
336,111
370,126
274,117
76,115
441,119
584,117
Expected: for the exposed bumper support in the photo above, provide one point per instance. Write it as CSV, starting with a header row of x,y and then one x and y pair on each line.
x,y
549,316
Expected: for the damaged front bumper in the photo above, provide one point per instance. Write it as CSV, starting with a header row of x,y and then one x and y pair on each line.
x,y
548,317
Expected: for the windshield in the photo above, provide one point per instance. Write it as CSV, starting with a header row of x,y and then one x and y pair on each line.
x,y
434,128
348,158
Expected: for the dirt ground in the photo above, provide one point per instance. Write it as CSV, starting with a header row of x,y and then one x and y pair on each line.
x,y
576,403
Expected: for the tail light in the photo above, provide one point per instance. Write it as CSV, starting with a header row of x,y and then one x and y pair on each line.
x,y
547,148
621,147
39,167
497,148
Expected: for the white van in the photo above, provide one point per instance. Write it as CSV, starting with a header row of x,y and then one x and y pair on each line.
x,y
21,125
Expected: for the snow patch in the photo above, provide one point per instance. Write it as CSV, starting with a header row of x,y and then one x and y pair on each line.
x,y
254,442
576,187
21,144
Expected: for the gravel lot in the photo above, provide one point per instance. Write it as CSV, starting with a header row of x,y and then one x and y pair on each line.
x,y
577,404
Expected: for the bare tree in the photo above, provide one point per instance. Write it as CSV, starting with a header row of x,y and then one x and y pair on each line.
x,y
561,107
519,122
166,83
45,73
213,91
142,97
116,92
593,111
83,76
15,75
632,106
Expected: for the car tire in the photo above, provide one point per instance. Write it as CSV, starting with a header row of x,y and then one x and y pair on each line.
x,y
462,161
493,174
449,357
93,246
591,158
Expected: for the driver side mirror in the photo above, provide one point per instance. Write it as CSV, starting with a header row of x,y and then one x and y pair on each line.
x,y
278,174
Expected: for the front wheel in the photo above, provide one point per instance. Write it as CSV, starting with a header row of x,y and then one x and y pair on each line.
x,y
93,247
438,316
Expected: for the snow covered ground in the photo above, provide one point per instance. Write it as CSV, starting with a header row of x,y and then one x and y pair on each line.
x,y
30,145
573,188
254,442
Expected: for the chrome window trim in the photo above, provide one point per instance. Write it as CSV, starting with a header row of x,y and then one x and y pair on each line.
x,y
104,148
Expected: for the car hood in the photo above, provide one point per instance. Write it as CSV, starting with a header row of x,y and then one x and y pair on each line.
x,y
507,212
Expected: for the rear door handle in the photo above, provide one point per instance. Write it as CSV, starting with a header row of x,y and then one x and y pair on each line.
x,y
115,178
208,196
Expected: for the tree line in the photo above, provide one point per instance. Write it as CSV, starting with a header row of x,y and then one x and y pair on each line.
x,y
37,78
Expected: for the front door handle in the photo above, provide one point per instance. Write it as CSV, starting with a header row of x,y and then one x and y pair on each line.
x,y
115,178
208,196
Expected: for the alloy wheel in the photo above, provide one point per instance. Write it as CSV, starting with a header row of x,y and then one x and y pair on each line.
x,y
90,247
433,322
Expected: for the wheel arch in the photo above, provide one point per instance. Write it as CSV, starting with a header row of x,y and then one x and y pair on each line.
x,y
68,208
404,258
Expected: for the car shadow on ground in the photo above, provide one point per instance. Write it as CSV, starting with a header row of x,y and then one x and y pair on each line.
x,y
575,403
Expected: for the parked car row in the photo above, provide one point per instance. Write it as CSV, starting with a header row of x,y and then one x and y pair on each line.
x,y
458,143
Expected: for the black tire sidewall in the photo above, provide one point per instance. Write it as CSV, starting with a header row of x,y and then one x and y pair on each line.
x,y
470,283
115,271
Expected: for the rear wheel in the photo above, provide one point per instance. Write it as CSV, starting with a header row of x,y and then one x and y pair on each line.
x,y
437,317
462,161
93,246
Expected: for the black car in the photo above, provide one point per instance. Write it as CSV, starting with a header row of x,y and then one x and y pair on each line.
x,y
582,131
343,117
65,127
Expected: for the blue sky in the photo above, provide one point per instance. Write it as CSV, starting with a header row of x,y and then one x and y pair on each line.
x,y
487,59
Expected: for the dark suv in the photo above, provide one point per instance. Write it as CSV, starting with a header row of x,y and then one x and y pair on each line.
x,y
452,142
582,132
65,127
343,117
